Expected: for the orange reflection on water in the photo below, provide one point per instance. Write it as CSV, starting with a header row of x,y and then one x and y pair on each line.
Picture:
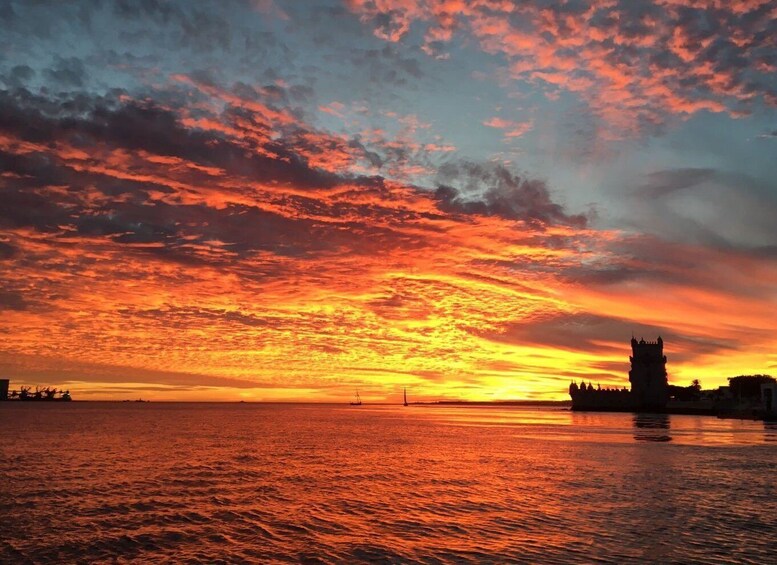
x,y
267,482
563,424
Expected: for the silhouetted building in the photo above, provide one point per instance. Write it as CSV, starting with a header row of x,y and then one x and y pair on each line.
x,y
649,386
4,389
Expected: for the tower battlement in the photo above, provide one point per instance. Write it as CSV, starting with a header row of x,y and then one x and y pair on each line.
x,y
647,346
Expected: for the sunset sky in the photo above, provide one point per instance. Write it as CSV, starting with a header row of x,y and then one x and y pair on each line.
x,y
269,200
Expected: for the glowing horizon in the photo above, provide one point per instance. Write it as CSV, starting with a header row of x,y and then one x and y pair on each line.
x,y
474,200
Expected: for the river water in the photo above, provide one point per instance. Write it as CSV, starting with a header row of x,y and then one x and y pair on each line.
x,y
262,483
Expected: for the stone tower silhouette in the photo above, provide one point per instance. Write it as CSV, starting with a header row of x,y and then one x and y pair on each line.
x,y
649,386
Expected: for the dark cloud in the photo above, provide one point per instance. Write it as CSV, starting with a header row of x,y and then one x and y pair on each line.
x,y
387,24
387,67
730,210
7,251
21,207
18,76
488,189
661,183
372,156
127,214
12,300
154,9
648,259
190,26
150,127
7,14
123,59
69,72
205,31
300,93
656,264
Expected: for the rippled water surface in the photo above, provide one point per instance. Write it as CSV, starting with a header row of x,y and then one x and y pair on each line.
x,y
154,483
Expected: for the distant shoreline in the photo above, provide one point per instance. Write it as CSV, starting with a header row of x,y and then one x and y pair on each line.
x,y
484,403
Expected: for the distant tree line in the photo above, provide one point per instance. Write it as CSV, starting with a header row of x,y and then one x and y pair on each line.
x,y
740,387
748,386
686,393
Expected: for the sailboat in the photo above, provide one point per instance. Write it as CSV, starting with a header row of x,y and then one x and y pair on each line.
x,y
405,397
358,401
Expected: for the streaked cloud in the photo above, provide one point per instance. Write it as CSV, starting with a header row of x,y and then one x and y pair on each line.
x,y
233,201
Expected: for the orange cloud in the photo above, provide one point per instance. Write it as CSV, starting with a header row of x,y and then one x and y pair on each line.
x,y
512,129
633,65
191,260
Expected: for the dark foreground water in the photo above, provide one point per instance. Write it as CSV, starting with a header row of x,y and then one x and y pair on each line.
x,y
155,483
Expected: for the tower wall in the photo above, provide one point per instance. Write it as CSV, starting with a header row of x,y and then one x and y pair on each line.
x,y
4,389
647,376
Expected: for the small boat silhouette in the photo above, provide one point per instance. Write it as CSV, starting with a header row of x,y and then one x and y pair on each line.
x,y
405,397
358,401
